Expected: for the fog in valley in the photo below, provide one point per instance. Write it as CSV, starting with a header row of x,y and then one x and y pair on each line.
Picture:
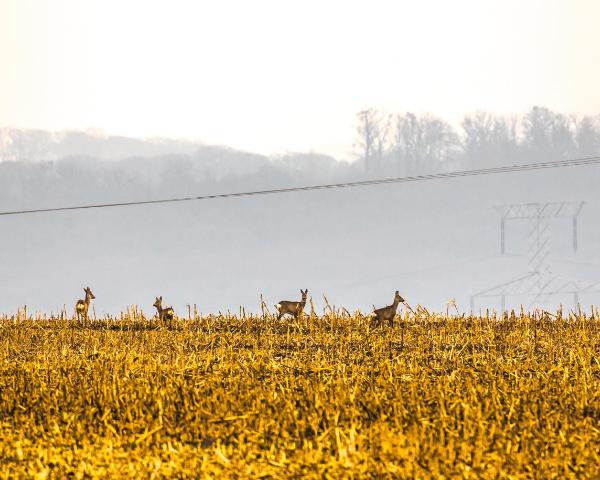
x,y
431,240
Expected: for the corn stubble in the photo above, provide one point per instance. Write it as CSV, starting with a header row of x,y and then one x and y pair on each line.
x,y
328,397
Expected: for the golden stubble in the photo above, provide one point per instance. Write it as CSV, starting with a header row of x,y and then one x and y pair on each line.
x,y
436,396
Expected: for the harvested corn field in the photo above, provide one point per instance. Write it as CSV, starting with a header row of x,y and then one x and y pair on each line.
x,y
323,397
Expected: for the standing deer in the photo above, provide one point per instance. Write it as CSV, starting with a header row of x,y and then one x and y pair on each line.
x,y
293,308
164,314
387,314
82,306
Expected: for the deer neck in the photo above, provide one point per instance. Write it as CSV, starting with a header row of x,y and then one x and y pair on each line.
x,y
395,304
88,299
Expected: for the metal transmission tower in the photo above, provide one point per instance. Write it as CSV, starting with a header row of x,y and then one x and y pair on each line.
x,y
538,214
539,281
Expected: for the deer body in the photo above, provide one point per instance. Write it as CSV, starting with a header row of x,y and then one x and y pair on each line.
x,y
82,306
387,314
165,315
293,308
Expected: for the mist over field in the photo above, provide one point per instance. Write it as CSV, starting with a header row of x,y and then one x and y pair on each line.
x,y
431,240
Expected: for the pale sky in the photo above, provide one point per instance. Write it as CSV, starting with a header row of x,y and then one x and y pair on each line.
x,y
277,76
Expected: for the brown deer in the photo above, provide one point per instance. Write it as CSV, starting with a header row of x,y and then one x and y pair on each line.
x,y
387,314
82,306
293,308
165,315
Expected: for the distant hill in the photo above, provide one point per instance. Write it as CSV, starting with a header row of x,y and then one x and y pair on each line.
x,y
39,145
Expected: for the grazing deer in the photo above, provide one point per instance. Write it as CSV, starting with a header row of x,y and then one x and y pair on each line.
x,y
82,306
164,314
387,314
293,308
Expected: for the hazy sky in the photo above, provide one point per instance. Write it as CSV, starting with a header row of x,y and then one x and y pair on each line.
x,y
274,76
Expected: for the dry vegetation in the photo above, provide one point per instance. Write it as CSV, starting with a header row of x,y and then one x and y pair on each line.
x,y
328,397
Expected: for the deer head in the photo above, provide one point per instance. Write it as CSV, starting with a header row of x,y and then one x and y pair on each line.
x,y
158,303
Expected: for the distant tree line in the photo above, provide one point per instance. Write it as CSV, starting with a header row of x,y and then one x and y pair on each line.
x,y
43,168
410,144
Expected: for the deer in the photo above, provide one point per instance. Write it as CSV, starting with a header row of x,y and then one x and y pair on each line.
x,y
381,315
293,308
164,314
82,306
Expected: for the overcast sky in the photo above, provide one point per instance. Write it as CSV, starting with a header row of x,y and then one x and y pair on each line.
x,y
274,76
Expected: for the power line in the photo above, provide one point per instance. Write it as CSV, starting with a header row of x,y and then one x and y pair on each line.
x,y
362,183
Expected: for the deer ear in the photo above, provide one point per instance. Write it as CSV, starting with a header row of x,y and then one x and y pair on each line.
x,y
160,298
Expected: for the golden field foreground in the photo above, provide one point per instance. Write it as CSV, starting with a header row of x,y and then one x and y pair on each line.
x,y
329,397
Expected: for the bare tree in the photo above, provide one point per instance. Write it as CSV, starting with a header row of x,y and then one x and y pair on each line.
x,y
422,143
549,134
489,139
587,135
408,141
373,138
